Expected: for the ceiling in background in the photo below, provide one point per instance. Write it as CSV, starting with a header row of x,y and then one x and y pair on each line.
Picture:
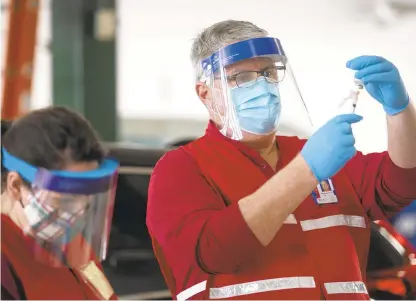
x,y
379,12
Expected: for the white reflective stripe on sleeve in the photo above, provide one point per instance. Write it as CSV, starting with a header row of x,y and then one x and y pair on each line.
x,y
353,287
333,221
261,286
291,219
192,291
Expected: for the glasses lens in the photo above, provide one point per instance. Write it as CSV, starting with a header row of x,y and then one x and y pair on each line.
x,y
246,79
275,74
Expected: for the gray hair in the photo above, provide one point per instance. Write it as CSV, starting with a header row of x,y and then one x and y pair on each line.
x,y
219,35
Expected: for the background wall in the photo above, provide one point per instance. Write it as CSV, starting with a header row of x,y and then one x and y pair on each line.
x,y
156,98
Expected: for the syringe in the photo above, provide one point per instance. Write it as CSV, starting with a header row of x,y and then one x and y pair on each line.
x,y
355,92
352,98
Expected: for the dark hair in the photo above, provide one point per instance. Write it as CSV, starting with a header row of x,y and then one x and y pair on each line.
x,y
51,138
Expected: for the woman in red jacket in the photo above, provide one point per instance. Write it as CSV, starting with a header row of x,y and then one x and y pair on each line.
x,y
57,203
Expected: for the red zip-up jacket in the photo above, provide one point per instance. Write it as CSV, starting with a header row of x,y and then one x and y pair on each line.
x,y
199,235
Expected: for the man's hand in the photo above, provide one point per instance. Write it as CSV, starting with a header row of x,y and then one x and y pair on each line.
x,y
382,81
331,147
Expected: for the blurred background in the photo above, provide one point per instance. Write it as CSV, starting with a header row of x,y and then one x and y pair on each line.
x,y
125,65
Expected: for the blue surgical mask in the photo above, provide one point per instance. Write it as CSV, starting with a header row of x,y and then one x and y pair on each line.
x,y
257,106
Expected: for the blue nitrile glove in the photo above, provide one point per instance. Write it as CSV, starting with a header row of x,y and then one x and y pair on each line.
x,y
382,81
331,147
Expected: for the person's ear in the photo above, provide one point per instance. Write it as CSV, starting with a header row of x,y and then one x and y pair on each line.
x,y
13,185
203,92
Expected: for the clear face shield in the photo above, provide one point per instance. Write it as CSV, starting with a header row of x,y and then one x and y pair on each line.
x,y
67,214
254,92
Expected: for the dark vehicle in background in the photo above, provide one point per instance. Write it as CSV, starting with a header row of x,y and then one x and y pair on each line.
x,y
134,272
391,270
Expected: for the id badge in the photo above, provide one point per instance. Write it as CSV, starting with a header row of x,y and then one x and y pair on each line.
x,y
324,193
96,278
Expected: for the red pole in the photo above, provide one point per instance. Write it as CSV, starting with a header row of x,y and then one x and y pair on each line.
x,y
21,42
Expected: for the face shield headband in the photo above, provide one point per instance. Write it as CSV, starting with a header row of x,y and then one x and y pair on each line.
x,y
85,182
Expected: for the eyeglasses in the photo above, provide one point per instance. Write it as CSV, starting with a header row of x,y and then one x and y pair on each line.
x,y
244,79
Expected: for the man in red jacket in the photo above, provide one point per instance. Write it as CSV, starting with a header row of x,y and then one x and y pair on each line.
x,y
241,213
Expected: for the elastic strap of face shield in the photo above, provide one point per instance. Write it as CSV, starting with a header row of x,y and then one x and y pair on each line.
x,y
202,74
206,76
